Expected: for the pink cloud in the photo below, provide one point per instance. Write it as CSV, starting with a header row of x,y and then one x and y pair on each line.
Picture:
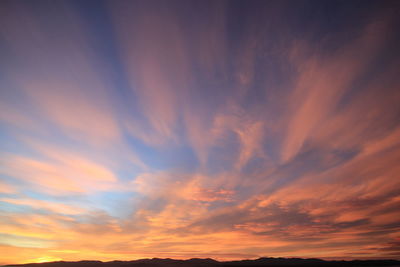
x,y
323,81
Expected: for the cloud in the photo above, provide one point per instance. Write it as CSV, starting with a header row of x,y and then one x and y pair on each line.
x,y
64,174
71,94
46,205
179,186
322,83
7,189
157,70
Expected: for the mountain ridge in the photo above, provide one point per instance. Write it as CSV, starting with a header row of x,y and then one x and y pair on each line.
x,y
203,262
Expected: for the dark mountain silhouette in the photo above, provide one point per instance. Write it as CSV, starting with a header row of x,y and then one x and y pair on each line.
x,y
270,262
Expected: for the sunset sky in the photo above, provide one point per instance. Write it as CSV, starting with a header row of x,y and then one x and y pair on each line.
x,y
180,129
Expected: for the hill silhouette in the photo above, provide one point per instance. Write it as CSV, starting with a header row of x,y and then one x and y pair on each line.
x,y
195,262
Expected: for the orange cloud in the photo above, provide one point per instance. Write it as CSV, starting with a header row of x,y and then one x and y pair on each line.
x,y
64,174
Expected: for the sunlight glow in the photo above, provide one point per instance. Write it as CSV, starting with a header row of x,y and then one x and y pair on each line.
x,y
45,259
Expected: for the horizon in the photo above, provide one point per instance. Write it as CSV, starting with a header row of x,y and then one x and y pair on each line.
x,y
222,129
219,261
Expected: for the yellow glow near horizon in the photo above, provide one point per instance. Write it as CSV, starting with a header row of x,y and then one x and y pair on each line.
x,y
46,259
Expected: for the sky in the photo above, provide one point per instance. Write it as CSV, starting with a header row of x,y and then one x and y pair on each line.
x,y
180,129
